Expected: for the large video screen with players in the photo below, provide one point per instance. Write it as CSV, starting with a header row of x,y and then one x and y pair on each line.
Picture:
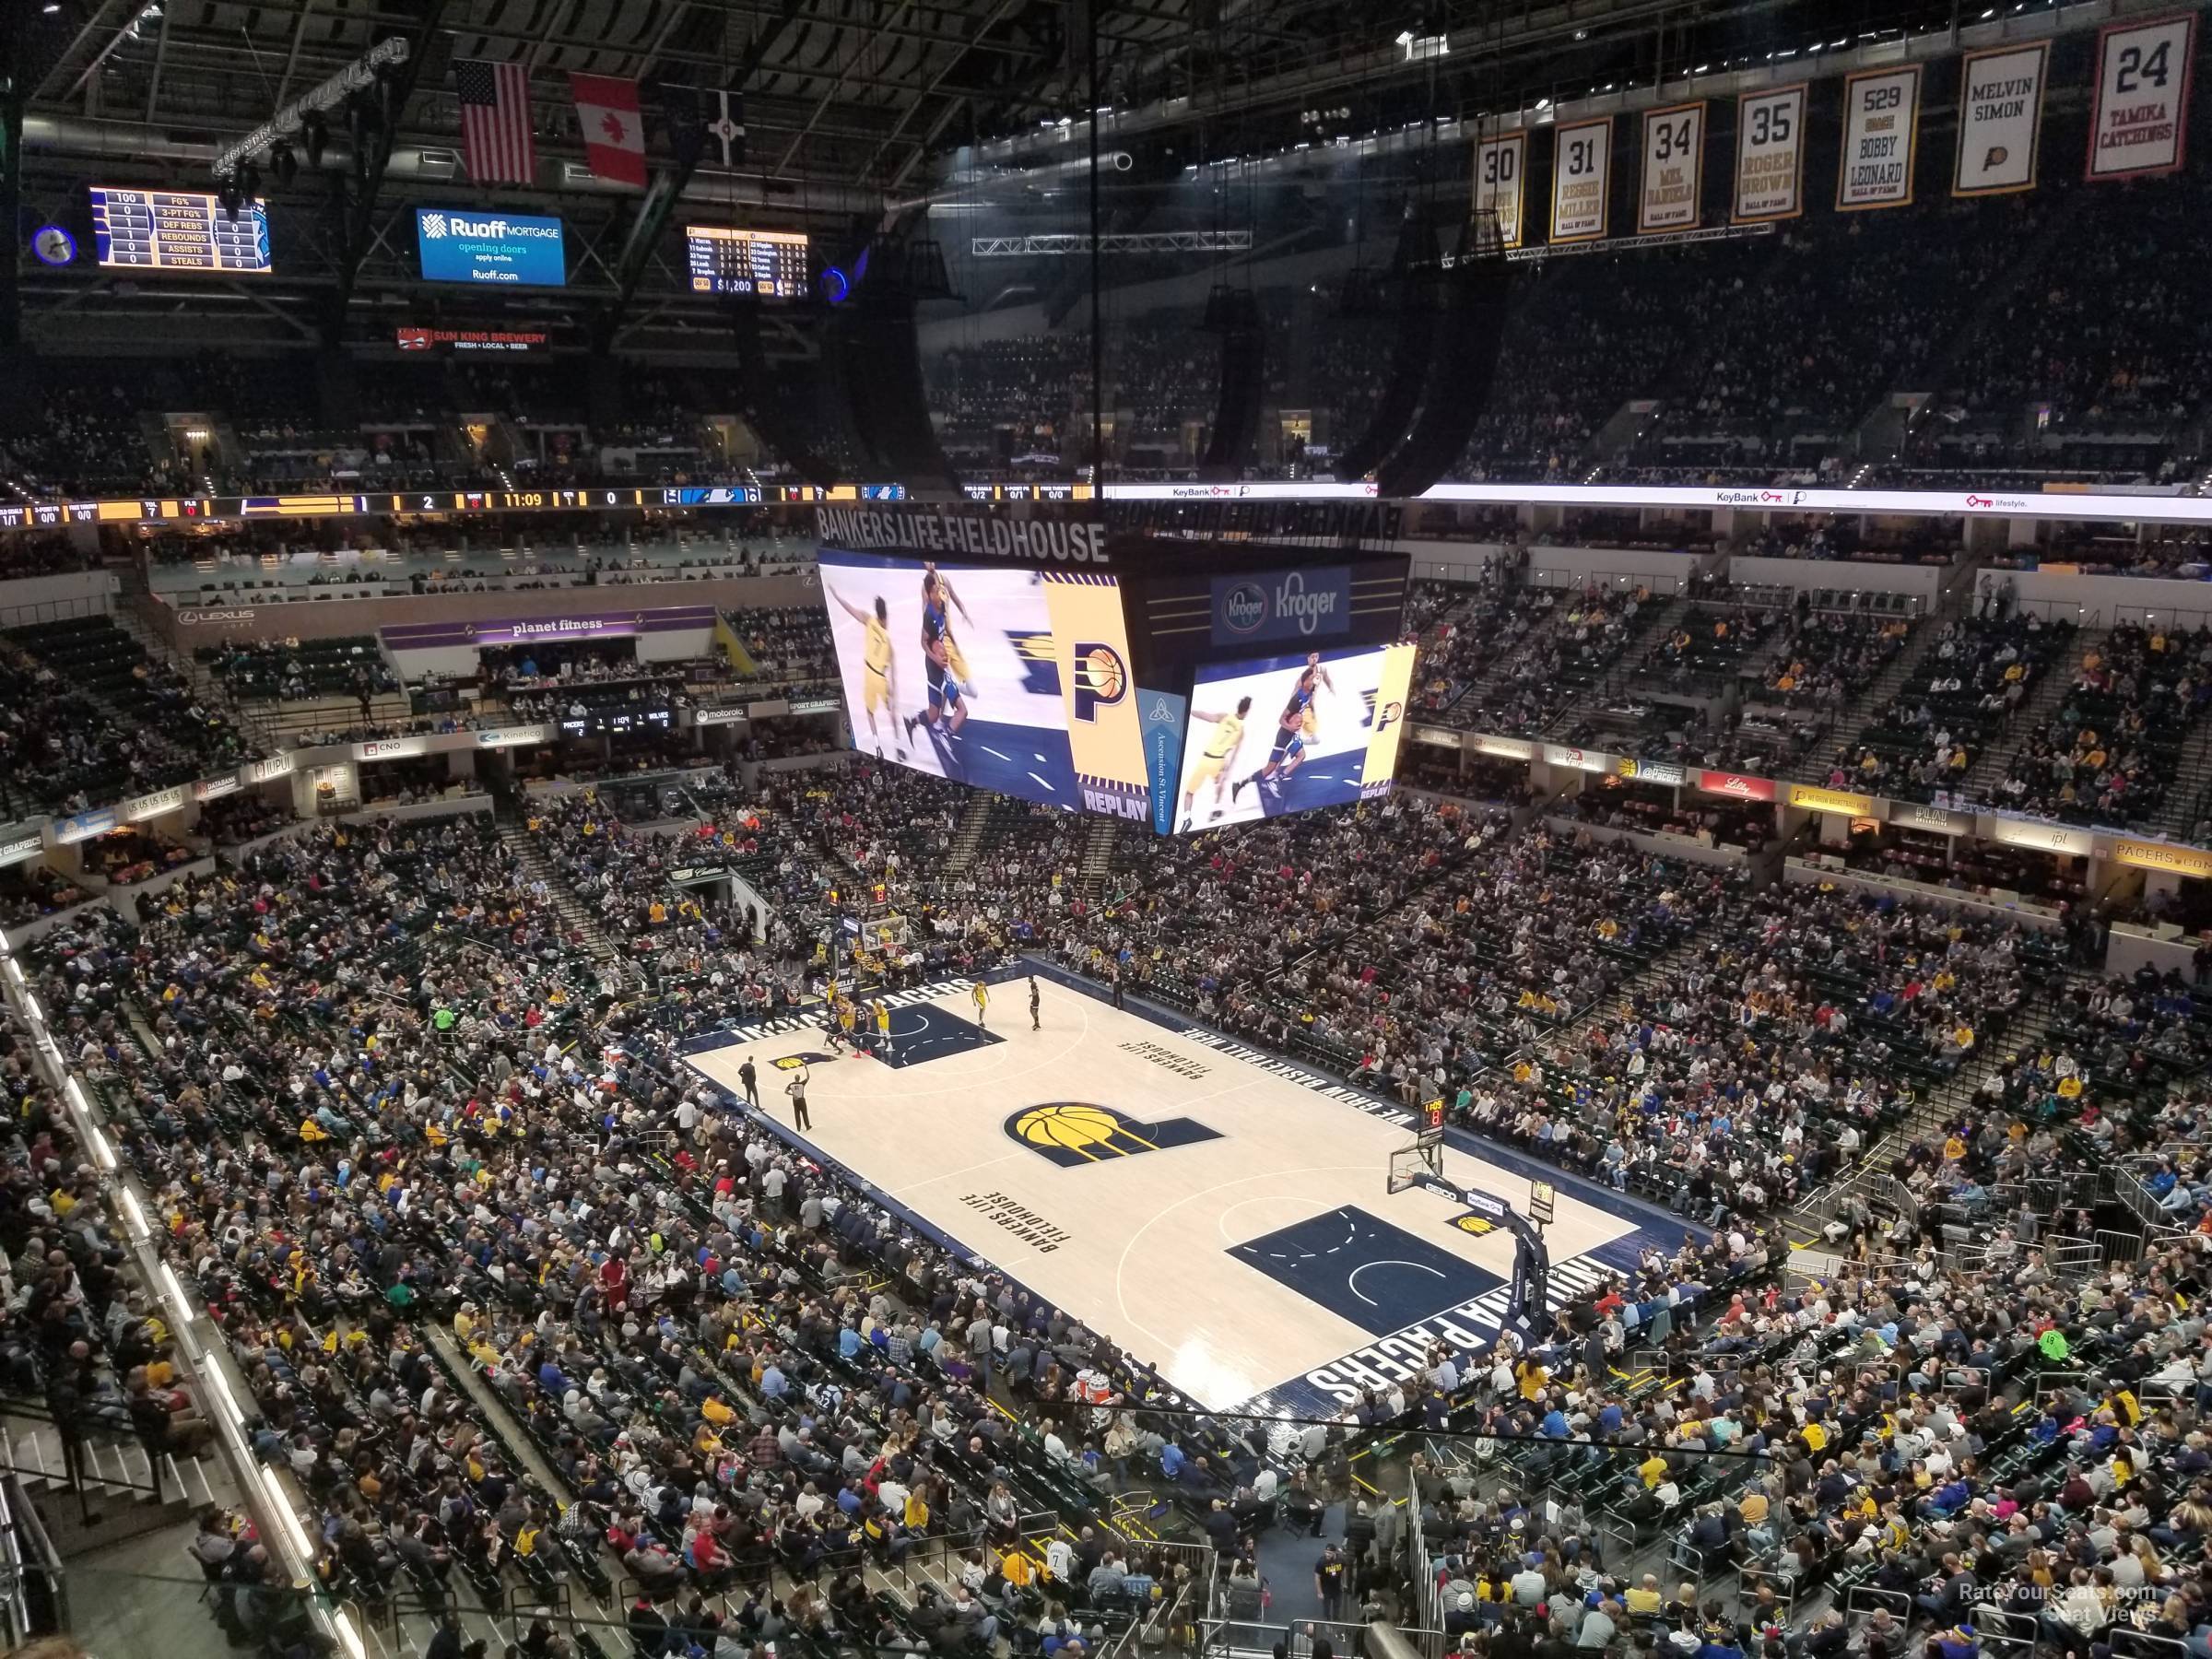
x,y
1005,677
1287,734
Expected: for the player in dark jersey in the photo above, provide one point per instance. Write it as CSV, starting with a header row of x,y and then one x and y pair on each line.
x,y
1292,730
946,668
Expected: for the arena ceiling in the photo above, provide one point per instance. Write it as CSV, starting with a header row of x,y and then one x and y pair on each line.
x,y
863,94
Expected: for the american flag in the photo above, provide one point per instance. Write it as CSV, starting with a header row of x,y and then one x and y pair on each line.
x,y
495,120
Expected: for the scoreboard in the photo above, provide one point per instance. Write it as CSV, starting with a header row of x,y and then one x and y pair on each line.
x,y
178,230
769,264
157,510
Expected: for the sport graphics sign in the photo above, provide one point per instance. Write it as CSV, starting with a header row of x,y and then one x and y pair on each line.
x,y
1769,155
2000,119
2142,99
1313,603
1881,133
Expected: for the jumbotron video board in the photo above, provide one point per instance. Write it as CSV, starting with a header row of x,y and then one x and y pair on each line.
x,y
1055,658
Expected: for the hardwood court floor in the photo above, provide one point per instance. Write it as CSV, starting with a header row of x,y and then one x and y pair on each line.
x,y
1212,1210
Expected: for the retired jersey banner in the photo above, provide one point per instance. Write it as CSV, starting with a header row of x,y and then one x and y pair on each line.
x,y
2000,119
1881,130
2142,103
1500,175
1581,180
1674,156
1769,155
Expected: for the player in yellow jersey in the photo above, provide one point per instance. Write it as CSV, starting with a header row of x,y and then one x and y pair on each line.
x,y
880,676
883,1030
1221,746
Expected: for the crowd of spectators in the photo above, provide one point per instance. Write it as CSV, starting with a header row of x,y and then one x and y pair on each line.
x,y
1966,688
87,718
2109,752
393,1028
1551,645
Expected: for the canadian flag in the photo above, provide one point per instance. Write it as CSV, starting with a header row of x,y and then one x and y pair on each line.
x,y
613,134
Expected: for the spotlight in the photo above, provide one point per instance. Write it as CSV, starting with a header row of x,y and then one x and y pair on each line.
x,y
284,165
314,133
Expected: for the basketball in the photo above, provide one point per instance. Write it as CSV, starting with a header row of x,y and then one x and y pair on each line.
x,y
1103,670
1070,1127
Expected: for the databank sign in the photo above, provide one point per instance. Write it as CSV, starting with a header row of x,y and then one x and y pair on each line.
x,y
1881,130
2000,119
1769,155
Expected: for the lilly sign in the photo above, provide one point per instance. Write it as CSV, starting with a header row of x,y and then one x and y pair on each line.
x,y
1311,603
506,249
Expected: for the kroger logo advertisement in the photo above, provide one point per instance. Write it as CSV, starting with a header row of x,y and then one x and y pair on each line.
x,y
1312,604
506,248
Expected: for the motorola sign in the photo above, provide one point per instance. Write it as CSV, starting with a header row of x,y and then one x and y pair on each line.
x,y
1309,603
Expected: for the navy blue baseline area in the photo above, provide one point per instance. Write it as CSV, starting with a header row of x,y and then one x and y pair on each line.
x,y
1362,1269
922,1034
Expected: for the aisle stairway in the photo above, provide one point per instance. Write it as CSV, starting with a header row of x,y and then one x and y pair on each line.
x,y
119,1490
574,915
969,837
1991,766
1101,834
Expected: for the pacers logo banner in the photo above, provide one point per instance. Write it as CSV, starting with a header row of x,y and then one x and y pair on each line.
x,y
1769,155
2142,110
1091,645
1581,180
1074,1133
1500,165
1673,169
1388,722
1881,130
2000,119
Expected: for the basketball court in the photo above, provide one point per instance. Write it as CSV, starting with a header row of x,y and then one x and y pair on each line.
x,y
1223,1215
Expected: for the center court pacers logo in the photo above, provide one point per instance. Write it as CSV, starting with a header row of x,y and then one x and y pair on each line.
x,y
793,1062
1073,1132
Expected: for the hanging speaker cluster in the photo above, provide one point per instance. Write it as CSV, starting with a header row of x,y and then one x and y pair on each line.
x,y
875,360
1444,364
1234,314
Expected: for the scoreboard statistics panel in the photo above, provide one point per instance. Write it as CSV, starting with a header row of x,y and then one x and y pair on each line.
x,y
178,230
769,264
